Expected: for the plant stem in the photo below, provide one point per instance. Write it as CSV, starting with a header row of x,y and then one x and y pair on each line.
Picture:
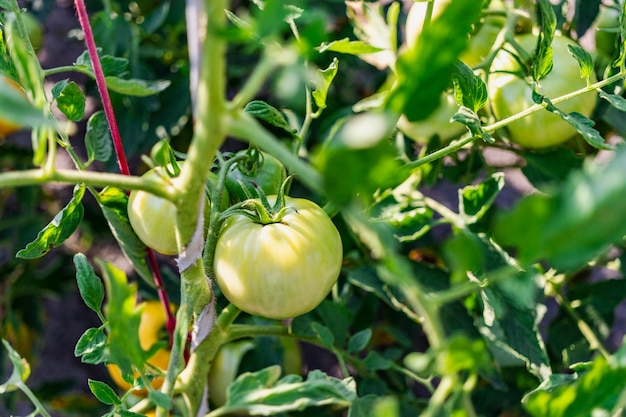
x,y
246,127
101,83
33,398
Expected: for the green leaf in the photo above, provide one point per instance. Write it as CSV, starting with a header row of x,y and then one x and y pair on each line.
x,y
160,399
360,158
18,110
89,285
59,229
111,65
585,60
321,91
615,100
346,46
20,373
543,62
91,346
475,200
70,99
425,71
103,392
375,361
114,203
359,340
262,393
98,138
545,168
469,89
575,225
595,390
271,118
135,87
582,124
123,320
324,335
471,120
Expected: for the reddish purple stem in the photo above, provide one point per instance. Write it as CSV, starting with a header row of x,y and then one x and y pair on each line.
x,y
83,18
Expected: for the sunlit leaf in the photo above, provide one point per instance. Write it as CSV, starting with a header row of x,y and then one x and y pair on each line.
x,y
59,229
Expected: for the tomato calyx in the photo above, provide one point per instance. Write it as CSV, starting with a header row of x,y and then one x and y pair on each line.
x,y
259,209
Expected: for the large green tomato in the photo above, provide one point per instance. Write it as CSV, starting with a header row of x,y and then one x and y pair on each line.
x,y
279,270
509,94
259,168
154,218
607,30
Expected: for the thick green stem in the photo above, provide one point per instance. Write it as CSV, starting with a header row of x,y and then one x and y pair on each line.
x,y
247,128
193,379
96,179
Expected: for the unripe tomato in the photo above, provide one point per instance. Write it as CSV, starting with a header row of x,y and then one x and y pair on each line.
x,y
279,270
154,218
607,29
262,169
509,94
480,42
224,369
34,28
151,327
438,123
6,127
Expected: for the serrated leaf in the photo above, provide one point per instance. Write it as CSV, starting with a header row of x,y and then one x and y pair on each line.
x,y
123,320
89,285
98,138
90,347
321,91
59,229
469,89
582,124
135,87
615,100
114,203
346,46
574,225
262,393
103,392
424,72
20,373
475,200
585,60
585,15
111,65
543,61
372,28
471,120
596,389
70,99
359,340
271,118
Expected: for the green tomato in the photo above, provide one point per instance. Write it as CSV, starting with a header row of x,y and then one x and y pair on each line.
x,y
480,42
224,369
34,28
607,29
509,94
279,270
438,123
261,169
154,218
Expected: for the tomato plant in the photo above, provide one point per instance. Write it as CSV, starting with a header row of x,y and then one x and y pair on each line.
x,y
510,93
357,267
292,262
257,169
151,331
6,127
